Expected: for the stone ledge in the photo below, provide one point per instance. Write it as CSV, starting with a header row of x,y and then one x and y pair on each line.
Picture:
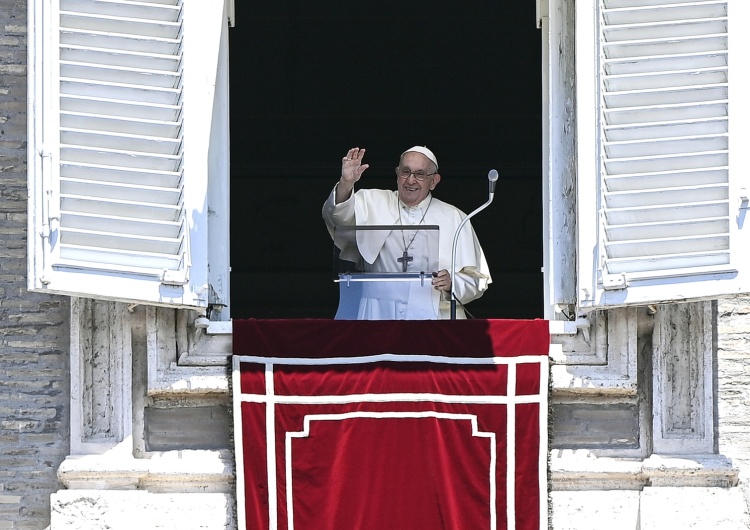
x,y
704,471
581,470
125,510
168,472
191,380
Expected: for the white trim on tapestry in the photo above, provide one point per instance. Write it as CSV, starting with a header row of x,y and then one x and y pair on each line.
x,y
543,437
388,398
510,454
239,453
386,415
436,359
271,449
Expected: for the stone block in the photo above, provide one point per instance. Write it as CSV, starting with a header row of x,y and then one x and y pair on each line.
x,y
594,510
594,425
125,510
666,508
10,499
187,428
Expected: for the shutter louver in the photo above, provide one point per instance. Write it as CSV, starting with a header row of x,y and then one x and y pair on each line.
x,y
120,152
663,139
128,132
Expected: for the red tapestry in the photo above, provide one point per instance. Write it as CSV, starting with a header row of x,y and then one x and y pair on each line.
x,y
372,425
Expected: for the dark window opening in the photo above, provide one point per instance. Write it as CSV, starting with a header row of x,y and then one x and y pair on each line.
x,y
309,80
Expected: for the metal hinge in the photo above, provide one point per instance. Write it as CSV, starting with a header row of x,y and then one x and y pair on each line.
x,y
744,200
613,282
169,277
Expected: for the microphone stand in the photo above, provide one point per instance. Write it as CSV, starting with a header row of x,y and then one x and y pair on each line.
x,y
492,176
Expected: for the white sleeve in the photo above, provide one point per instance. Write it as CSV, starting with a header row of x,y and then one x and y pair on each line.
x,y
472,275
469,284
341,214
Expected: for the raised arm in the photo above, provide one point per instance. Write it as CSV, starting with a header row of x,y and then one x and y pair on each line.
x,y
351,171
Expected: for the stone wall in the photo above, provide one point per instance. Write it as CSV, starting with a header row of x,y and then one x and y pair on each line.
x,y
34,394
734,386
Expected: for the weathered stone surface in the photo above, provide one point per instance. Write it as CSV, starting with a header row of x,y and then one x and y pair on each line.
x,y
33,328
173,427
594,510
125,510
605,426
693,509
661,508
733,392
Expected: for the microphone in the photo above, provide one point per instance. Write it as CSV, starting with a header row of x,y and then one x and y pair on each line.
x,y
492,176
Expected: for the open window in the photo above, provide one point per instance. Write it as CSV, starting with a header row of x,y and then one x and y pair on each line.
x,y
128,151
310,82
129,154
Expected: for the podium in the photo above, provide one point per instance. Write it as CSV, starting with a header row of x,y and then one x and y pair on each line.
x,y
385,272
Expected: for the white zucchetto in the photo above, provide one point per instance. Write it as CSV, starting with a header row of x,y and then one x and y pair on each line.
x,y
423,150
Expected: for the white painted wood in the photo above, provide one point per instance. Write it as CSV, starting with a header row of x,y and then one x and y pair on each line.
x,y
587,120
131,118
218,189
543,22
206,20
37,258
655,137
558,162
121,126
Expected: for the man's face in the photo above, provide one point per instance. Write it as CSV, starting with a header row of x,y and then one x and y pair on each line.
x,y
412,191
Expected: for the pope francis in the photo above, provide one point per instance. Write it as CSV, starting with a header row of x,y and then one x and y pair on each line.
x,y
411,204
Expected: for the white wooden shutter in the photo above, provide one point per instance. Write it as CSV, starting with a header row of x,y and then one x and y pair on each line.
x,y
117,203
661,214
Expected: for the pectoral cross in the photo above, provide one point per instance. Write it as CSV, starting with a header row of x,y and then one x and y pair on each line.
x,y
404,261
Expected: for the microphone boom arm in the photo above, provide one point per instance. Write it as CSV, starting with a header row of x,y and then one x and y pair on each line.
x,y
493,180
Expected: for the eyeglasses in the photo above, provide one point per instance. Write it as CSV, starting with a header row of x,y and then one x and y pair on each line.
x,y
405,173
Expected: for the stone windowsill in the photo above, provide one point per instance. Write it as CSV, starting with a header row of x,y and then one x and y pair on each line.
x,y
168,472
579,470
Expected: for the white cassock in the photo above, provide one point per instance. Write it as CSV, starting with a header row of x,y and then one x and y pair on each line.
x,y
406,301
